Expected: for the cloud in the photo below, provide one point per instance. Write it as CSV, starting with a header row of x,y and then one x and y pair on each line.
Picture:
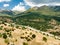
x,y
20,7
38,3
21,3
6,5
5,0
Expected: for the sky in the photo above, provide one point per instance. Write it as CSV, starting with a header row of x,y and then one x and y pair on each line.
x,y
23,5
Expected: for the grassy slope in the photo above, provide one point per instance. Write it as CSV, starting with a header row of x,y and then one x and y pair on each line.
x,y
12,34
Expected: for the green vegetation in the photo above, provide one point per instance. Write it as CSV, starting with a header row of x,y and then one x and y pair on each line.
x,y
17,26
30,33
55,33
0,35
0,28
33,36
7,30
6,41
25,43
28,39
4,35
23,28
12,25
37,18
45,39
9,34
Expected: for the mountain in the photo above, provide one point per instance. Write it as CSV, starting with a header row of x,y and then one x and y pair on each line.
x,y
56,8
9,12
36,26
44,18
47,10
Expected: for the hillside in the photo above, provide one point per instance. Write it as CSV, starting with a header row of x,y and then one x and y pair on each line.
x,y
13,34
44,18
47,10
41,18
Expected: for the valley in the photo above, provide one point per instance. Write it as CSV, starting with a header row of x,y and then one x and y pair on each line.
x,y
36,26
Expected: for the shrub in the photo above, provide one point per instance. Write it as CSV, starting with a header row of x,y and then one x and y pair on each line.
x,y
22,37
17,26
33,35
26,32
25,43
30,33
12,25
10,35
6,41
0,35
0,28
43,33
7,30
4,35
44,39
23,28
28,39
